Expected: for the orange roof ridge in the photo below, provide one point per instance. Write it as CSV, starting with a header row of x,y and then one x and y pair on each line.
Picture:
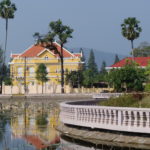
x,y
64,49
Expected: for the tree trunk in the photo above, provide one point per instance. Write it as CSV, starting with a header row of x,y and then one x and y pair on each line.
x,y
1,85
42,87
6,38
62,70
132,46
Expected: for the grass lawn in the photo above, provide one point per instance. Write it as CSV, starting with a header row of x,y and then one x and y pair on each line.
x,y
131,100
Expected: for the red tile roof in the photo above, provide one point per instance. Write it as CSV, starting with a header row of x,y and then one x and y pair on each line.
x,y
14,55
34,50
77,54
66,53
142,61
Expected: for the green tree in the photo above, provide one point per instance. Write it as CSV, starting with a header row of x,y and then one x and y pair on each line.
x,y
91,63
143,50
103,68
74,78
3,69
7,10
91,73
41,74
131,30
129,77
116,59
61,33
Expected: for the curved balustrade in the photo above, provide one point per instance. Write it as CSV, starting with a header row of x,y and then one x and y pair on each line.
x,y
111,118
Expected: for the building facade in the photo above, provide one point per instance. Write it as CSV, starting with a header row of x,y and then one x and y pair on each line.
x,y
23,66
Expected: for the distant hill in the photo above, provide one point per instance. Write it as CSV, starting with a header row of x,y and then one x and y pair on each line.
x,y
100,56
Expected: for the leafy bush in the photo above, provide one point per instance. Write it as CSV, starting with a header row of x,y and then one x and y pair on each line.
x,y
122,101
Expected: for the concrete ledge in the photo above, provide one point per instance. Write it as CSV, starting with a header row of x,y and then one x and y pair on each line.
x,y
106,137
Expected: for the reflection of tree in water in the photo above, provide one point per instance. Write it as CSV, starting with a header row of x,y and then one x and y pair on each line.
x,y
3,122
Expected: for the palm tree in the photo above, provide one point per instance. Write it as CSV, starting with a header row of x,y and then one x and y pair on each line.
x,y
131,30
7,10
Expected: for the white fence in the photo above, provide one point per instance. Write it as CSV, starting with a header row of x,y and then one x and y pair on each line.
x,y
110,118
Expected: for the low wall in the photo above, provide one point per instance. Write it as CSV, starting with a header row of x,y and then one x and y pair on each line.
x,y
53,88
110,118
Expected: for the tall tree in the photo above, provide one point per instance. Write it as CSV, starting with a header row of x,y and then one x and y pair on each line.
x,y
116,59
143,50
62,33
2,69
7,10
91,73
131,30
58,32
91,63
41,74
103,68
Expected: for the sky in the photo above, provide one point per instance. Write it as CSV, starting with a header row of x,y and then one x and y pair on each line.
x,y
96,23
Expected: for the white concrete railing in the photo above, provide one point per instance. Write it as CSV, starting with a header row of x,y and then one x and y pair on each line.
x,y
106,95
110,118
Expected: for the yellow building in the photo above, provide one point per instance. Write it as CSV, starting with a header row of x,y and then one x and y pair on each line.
x,y
23,66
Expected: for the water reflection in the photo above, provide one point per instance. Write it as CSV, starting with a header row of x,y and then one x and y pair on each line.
x,y
24,132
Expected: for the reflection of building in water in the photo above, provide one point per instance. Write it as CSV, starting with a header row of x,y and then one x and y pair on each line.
x,y
24,126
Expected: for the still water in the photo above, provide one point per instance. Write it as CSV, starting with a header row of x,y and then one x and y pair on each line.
x,y
31,126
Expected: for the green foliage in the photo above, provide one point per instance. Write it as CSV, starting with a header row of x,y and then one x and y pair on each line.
x,y
103,70
147,87
74,78
131,29
88,78
7,9
128,101
122,101
143,50
116,59
63,32
91,63
8,81
129,77
41,119
41,73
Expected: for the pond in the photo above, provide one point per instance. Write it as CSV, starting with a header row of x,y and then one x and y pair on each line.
x,y
31,126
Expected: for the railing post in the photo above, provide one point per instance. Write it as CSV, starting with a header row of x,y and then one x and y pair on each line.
x,y
76,114
119,117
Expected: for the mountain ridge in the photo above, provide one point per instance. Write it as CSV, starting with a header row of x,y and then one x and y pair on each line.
x,y
100,56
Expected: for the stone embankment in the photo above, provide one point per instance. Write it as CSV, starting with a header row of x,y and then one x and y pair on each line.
x,y
47,97
106,137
